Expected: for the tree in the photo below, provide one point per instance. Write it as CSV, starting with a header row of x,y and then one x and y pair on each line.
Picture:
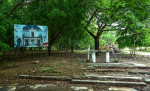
x,y
134,33
63,17
107,15
6,25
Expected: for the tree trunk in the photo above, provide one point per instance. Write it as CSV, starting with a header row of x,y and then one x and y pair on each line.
x,y
66,49
49,48
72,47
96,39
145,49
140,48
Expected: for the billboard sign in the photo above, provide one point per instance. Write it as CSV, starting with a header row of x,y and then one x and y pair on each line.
x,y
30,36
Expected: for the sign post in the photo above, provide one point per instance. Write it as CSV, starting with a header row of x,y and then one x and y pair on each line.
x,y
16,55
46,50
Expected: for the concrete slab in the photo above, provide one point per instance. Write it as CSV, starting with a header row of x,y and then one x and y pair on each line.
x,y
38,87
63,78
97,74
136,64
142,73
105,78
105,70
110,65
109,82
120,89
147,80
110,70
74,88
119,65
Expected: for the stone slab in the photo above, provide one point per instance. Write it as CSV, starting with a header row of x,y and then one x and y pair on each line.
x,y
88,68
73,88
111,65
109,82
120,89
110,70
63,78
109,77
147,80
119,65
138,65
142,73
97,74
103,70
37,87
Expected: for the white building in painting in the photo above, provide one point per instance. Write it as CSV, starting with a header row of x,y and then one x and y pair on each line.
x,y
31,35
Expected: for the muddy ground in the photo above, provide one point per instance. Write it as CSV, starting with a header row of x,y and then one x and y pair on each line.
x,y
58,64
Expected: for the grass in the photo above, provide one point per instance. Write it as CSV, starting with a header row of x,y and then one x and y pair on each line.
x,y
138,52
80,51
146,51
49,70
60,67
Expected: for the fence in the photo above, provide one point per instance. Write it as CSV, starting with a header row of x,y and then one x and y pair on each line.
x,y
26,53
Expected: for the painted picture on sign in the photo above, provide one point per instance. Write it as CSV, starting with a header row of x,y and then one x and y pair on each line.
x,y
30,36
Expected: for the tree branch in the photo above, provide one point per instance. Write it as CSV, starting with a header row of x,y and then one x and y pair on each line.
x,y
88,23
113,29
90,33
99,29
21,3
91,18
138,3
34,2
109,30
15,8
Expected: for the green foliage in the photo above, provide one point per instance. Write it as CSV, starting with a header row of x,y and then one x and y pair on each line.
x,y
49,70
66,20
125,41
126,14
107,38
134,27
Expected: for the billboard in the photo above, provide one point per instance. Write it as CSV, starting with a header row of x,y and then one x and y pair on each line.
x,y
30,36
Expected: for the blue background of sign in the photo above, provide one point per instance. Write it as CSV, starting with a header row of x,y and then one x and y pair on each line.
x,y
30,36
